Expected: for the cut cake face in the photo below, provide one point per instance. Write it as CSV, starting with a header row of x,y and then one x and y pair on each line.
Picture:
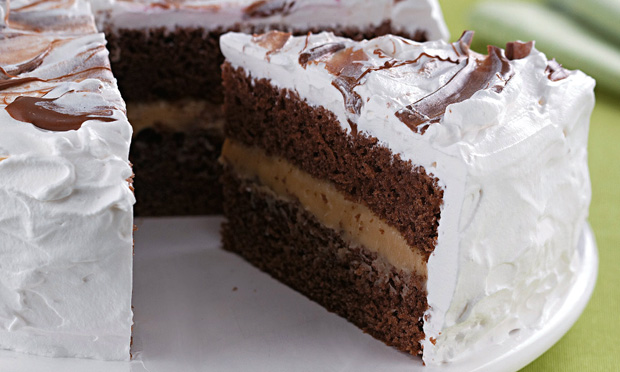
x,y
166,57
456,168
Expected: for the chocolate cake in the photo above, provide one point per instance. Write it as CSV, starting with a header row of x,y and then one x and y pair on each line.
x,y
417,189
166,57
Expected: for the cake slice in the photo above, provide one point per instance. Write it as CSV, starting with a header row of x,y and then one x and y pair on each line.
x,y
66,218
431,195
166,57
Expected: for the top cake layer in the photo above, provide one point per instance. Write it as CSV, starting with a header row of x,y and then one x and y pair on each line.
x,y
409,16
66,218
504,133
410,94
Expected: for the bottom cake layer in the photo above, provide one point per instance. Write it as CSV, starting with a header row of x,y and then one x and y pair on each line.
x,y
281,238
177,171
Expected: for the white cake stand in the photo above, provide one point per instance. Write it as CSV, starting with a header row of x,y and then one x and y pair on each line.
x,y
198,308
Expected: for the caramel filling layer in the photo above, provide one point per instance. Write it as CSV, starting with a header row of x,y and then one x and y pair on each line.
x,y
179,114
356,222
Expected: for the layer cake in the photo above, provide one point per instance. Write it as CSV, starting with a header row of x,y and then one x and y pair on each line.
x,y
431,195
166,57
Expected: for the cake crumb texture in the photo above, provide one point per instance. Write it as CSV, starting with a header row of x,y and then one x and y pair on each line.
x,y
282,239
178,171
282,124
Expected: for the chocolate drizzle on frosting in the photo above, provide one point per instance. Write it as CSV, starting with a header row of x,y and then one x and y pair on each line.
x,y
518,49
472,72
476,74
347,66
273,40
44,113
319,53
267,8
395,63
10,83
27,66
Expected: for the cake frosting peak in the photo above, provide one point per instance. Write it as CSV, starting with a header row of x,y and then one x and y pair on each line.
x,y
462,72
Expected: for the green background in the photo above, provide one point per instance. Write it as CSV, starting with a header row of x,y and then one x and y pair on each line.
x,y
593,344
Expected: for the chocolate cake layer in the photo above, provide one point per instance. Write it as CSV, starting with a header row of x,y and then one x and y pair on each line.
x,y
177,171
158,64
284,240
278,121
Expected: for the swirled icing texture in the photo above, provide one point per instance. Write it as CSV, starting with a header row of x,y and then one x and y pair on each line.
x,y
511,158
58,16
408,15
66,221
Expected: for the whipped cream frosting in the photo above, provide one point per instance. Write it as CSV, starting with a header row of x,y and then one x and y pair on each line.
x,y
406,15
510,155
66,221
4,13
58,16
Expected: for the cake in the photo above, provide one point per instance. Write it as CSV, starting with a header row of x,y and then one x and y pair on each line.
x,y
417,189
65,176
66,219
431,195
165,55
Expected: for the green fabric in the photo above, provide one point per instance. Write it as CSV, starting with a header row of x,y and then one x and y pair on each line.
x,y
593,344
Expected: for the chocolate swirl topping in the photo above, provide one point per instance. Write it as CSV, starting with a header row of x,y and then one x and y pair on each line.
x,y
44,113
10,83
346,65
475,74
518,49
319,53
267,8
273,40
27,66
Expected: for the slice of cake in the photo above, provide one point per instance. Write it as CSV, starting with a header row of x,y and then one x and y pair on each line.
x,y
431,195
166,57
66,219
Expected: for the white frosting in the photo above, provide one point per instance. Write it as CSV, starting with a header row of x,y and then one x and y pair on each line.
x,y
512,164
59,16
4,13
66,221
408,15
